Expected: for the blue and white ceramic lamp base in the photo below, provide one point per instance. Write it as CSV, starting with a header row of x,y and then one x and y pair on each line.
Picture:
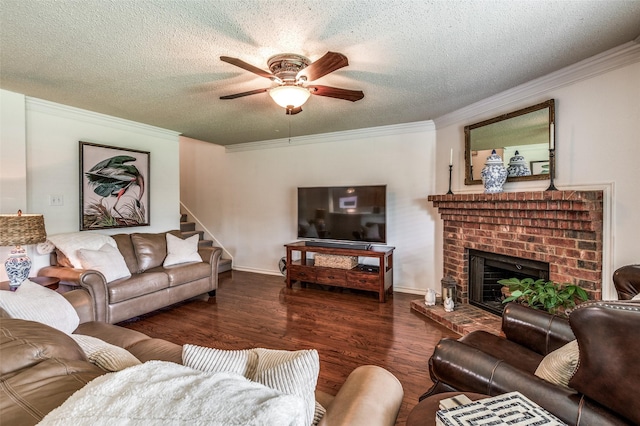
x,y
18,266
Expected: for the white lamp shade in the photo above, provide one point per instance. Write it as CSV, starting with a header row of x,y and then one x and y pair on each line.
x,y
289,96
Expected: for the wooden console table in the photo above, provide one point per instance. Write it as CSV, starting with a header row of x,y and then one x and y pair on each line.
x,y
304,270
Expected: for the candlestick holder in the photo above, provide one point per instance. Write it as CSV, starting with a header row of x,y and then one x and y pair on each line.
x,y
450,169
552,169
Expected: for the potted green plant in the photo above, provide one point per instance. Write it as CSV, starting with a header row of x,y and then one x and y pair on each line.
x,y
553,297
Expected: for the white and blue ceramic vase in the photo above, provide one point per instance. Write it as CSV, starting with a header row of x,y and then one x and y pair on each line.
x,y
518,166
494,174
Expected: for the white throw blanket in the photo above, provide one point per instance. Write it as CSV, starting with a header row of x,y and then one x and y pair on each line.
x,y
164,393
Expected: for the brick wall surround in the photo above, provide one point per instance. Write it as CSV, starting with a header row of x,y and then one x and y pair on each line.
x,y
563,228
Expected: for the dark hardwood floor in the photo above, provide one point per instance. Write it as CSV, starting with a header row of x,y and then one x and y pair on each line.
x,y
348,328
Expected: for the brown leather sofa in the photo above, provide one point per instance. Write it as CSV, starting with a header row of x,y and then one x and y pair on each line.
x,y
41,367
603,390
150,287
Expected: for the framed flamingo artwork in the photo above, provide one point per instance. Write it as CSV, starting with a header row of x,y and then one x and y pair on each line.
x,y
114,187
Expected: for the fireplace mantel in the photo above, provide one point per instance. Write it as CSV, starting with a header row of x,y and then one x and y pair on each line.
x,y
563,228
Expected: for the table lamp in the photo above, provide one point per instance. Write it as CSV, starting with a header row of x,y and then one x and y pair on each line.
x,y
18,230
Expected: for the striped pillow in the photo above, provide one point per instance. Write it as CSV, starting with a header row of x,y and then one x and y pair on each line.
x,y
243,362
560,365
290,372
105,355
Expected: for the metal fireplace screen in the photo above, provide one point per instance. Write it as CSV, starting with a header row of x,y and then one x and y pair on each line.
x,y
486,269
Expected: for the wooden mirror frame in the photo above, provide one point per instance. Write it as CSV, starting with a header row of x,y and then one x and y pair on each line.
x,y
511,136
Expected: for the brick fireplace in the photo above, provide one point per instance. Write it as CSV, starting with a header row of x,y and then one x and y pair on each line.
x,y
562,228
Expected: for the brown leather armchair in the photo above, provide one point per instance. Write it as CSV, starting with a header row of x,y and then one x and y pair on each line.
x,y
603,390
627,281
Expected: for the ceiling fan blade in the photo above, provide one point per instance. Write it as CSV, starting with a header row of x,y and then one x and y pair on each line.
x,y
293,111
334,92
239,95
330,62
245,66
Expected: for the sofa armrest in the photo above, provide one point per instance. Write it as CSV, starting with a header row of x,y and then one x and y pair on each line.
x,y
370,396
93,281
82,303
211,255
534,329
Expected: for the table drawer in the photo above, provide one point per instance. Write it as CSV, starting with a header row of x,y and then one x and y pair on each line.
x,y
363,281
331,276
302,273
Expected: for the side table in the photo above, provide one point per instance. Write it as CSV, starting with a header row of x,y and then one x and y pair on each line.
x,y
49,282
424,414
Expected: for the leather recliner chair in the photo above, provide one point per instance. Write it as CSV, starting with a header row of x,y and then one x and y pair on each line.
x,y
602,391
627,281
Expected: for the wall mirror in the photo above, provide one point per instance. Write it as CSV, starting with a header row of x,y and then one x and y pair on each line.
x,y
527,131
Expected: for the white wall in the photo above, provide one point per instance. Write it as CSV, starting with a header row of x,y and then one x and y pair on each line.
x,y
247,198
51,163
13,152
597,146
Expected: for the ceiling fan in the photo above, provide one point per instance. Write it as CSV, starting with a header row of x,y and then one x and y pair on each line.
x,y
291,72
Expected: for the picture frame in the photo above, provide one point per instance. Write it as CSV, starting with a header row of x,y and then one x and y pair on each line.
x,y
539,167
114,187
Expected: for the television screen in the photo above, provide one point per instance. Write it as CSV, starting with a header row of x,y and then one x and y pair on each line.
x,y
344,213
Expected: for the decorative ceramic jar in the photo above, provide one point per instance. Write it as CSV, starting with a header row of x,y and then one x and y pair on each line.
x,y
494,174
518,166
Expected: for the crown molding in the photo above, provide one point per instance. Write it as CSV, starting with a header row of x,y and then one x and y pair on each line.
x,y
65,111
345,136
609,60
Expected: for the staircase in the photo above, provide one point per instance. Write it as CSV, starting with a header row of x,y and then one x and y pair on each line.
x,y
188,229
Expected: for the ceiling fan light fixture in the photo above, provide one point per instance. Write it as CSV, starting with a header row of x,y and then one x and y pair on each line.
x,y
289,96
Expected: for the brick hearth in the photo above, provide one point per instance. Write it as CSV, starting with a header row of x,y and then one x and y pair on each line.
x,y
463,320
563,228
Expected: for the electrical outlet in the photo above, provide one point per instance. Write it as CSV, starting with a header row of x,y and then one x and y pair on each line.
x,y
56,200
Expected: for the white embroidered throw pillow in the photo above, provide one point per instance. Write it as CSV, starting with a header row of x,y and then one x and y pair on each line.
x,y
107,260
181,251
34,302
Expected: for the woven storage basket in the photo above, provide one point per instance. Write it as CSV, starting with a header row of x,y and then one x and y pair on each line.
x,y
333,261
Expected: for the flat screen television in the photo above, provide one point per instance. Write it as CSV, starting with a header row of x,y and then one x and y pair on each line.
x,y
343,213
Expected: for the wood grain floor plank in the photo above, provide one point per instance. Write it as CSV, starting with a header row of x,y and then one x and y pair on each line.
x,y
348,328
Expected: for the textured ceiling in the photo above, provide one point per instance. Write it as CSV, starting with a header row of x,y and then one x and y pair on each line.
x,y
157,61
